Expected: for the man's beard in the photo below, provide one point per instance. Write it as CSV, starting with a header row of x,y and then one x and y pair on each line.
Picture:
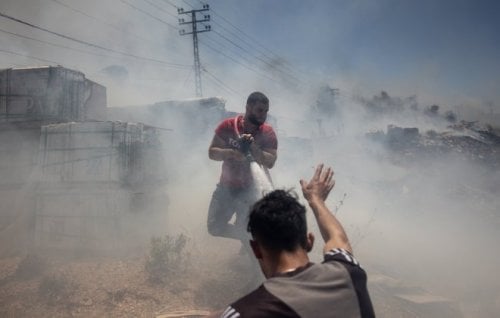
x,y
255,121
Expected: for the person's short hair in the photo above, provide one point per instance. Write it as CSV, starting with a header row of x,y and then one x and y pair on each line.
x,y
278,221
257,97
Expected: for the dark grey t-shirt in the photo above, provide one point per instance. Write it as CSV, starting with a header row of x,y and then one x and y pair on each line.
x,y
334,288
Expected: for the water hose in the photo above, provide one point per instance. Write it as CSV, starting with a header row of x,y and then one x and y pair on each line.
x,y
244,146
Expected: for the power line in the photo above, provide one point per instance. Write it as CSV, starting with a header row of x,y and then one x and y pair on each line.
x,y
53,44
288,77
29,56
248,62
233,59
234,34
256,57
90,44
187,78
250,45
65,47
221,45
254,41
242,32
236,61
170,3
214,78
282,67
97,19
106,23
149,15
287,74
221,84
190,4
160,8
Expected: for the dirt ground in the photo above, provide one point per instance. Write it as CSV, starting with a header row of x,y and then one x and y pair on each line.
x,y
61,286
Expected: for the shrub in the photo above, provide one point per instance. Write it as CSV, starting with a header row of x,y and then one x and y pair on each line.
x,y
56,289
30,266
167,258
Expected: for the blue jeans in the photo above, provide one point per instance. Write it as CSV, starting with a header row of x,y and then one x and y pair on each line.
x,y
225,203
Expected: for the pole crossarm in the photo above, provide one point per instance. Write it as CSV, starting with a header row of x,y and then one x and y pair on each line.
x,y
194,31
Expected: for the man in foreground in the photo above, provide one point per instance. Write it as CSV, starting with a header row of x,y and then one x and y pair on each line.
x,y
235,141
294,286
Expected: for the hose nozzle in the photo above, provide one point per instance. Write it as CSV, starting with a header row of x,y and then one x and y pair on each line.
x,y
249,156
245,149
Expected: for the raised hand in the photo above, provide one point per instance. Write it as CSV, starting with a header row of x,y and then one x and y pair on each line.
x,y
320,185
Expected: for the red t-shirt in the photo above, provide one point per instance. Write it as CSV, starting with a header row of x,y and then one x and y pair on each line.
x,y
237,174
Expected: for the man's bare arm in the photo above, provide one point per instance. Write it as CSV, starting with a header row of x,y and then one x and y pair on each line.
x,y
218,151
265,157
315,192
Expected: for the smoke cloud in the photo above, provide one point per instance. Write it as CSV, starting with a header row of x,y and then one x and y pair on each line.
x,y
425,217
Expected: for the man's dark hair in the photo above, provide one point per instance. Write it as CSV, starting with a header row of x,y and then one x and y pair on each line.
x,y
278,221
257,97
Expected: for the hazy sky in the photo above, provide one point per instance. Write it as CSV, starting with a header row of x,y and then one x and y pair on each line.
x,y
453,46
444,51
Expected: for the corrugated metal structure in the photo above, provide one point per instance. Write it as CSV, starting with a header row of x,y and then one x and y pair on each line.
x,y
67,175
193,117
18,158
101,186
50,94
112,152
188,126
30,98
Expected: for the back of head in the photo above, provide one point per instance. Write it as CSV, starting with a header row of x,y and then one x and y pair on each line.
x,y
257,97
278,221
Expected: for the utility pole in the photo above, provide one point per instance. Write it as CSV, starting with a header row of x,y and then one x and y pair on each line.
x,y
194,32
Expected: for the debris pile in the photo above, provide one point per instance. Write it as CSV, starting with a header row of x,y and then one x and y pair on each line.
x,y
470,140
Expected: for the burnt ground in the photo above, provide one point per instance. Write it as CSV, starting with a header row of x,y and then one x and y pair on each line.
x,y
44,286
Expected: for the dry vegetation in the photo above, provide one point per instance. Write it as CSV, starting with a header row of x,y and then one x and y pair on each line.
x,y
43,286
164,280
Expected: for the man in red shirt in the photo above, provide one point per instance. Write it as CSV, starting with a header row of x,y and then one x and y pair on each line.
x,y
236,142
